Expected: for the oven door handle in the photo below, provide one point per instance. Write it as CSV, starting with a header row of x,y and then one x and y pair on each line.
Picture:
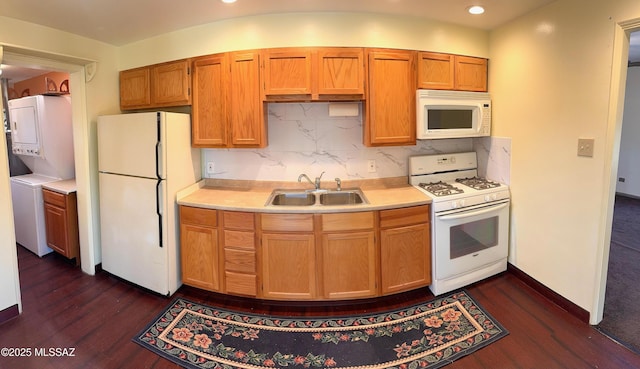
x,y
485,210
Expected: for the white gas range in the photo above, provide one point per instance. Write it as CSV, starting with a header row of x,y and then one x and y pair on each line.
x,y
470,219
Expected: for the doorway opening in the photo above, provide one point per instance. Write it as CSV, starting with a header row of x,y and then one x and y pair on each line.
x,y
77,69
622,290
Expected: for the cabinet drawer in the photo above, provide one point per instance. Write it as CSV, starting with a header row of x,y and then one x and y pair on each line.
x,y
239,239
238,220
241,284
54,198
287,222
347,221
404,216
239,261
199,216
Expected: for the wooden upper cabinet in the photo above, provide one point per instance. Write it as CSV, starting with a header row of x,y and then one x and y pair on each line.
x,y
135,88
210,119
287,72
391,102
435,71
158,85
310,74
171,84
227,108
247,113
438,71
471,73
340,71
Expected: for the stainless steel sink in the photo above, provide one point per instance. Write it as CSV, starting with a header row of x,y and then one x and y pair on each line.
x,y
293,199
341,198
351,196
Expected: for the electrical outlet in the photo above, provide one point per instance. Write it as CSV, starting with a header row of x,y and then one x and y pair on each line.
x,y
585,147
371,166
210,167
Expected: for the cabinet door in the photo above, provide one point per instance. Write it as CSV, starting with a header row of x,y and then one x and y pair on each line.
x,y
436,71
391,101
248,122
471,73
135,88
349,265
171,84
287,72
340,71
199,256
209,111
288,266
405,258
55,219
61,223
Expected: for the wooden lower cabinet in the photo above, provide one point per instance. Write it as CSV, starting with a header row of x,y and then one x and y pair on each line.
x,y
61,223
199,251
302,257
348,257
405,249
348,265
239,243
288,266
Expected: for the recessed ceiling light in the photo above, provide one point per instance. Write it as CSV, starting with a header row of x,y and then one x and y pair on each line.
x,y
228,1
476,9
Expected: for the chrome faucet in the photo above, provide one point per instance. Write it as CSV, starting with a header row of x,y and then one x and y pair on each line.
x,y
339,184
317,182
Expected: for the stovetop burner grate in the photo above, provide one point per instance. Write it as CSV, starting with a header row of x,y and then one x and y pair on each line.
x,y
478,183
441,188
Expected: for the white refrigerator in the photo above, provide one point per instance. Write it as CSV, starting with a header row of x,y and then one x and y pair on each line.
x,y
144,159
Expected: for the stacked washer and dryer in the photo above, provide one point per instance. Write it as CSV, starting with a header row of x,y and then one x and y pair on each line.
x,y
42,136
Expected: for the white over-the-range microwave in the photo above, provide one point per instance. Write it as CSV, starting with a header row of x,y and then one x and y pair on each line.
x,y
452,114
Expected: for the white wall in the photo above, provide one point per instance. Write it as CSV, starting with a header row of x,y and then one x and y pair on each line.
x,y
305,29
551,79
630,143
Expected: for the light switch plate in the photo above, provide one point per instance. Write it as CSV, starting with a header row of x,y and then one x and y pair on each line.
x,y
585,147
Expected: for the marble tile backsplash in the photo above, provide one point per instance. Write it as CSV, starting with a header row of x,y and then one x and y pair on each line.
x,y
494,158
303,138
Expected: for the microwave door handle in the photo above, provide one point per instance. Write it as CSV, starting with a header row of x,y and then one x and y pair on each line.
x,y
473,213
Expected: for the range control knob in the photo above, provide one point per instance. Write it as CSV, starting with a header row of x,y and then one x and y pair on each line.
x,y
457,204
490,197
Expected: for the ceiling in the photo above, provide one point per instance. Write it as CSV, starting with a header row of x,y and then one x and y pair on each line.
x,y
119,22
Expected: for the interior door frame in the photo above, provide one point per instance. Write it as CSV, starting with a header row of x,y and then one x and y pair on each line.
x,y
80,72
622,34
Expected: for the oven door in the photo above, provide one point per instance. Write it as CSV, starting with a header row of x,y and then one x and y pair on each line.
x,y
469,238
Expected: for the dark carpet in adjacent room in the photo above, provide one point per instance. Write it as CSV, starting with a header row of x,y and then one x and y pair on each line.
x,y
622,300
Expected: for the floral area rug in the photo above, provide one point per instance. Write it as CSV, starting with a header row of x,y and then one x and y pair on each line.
x,y
429,335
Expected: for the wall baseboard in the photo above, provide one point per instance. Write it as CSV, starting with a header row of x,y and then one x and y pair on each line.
x,y
9,313
554,297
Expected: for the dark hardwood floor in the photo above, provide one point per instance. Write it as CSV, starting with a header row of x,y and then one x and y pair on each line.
x,y
97,316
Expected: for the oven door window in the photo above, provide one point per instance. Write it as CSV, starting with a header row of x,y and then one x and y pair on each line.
x,y
443,118
469,238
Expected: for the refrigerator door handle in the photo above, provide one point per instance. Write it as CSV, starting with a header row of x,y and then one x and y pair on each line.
x,y
158,160
159,211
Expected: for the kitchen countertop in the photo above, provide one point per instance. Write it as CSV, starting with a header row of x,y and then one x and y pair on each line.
x,y
385,193
65,186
